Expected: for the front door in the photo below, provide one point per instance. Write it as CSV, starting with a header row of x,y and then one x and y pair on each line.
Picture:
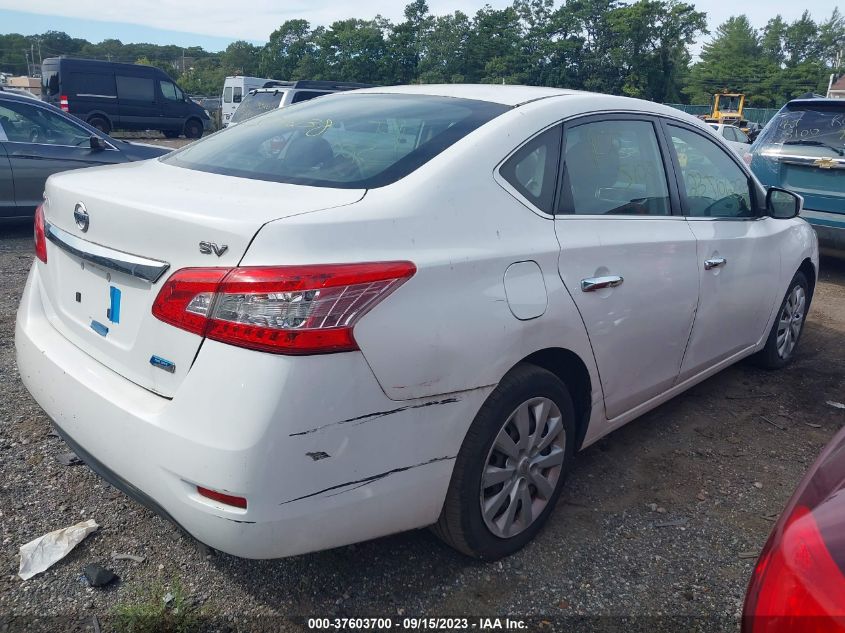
x,y
7,185
628,257
738,250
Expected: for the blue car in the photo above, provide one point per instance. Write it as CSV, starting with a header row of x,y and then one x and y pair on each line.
x,y
803,149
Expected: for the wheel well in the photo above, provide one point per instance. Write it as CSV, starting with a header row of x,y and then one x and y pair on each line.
x,y
809,271
569,367
98,115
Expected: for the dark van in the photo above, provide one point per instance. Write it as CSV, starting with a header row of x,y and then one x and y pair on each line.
x,y
110,95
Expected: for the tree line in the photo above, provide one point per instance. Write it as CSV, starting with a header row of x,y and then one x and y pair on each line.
x,y
640,49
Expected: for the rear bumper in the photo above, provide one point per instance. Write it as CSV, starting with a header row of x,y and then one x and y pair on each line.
x,y
830,227
323,457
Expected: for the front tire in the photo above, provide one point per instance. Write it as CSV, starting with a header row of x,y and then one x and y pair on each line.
x,y
510,470
788,326
193,128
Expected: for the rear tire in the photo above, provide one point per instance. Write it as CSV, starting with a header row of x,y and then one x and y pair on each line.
x,y
511,467
171,134
788,326
101,123
193,128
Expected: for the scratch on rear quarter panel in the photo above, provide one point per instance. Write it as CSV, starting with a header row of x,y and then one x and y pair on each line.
x,y
360,482
377,414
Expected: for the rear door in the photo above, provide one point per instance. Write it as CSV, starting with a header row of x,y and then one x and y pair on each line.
x,y
137,103
41,142
627,256
738,250
7,185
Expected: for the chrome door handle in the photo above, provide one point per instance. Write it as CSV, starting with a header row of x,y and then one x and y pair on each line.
x,y
597,283
714,263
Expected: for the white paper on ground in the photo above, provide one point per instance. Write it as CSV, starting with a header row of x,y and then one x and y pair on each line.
x,y
39,554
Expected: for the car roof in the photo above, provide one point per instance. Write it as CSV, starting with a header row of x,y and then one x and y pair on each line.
x,y
16,96
505,95
817,101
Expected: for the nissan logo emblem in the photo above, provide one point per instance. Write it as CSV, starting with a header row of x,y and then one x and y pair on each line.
x,y
80,216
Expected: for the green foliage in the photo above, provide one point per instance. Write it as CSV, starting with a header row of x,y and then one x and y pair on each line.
x,y
780,62
160,610
637,48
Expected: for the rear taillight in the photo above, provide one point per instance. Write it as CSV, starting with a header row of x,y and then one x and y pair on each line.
x,y
40,237
282,309
64,104
797,586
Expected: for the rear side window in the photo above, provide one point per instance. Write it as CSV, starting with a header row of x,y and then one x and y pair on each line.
x,y
257,103
135,88
807,129
237,94
347,141
93,84
305,95
532,170
227,94
614,168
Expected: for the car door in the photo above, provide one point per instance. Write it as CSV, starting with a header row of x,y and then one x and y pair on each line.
x,y
173,105
40,142
7,185
627,259
738,248
137,103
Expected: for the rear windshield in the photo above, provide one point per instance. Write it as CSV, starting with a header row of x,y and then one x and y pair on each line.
x,y
353,141
806,129
257,103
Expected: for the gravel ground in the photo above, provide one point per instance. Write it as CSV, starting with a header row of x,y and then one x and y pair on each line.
x,y
716,464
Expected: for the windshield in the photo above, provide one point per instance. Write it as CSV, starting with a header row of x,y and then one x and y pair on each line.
x,y
806,129
257,103
347,141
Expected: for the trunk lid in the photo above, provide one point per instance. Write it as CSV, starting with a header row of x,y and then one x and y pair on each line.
x,y
99,284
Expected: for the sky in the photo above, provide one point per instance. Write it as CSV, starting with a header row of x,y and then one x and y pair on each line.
x,y
213,24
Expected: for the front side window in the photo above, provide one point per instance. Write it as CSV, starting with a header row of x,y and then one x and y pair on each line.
x,y
227,94
715,185
614,168
349,141
532,170
23,123
168,90
135,88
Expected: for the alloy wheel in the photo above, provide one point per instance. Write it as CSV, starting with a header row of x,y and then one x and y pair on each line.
x,y
790,321
523,467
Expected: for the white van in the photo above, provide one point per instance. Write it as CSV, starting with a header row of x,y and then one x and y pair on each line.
x,y
234,89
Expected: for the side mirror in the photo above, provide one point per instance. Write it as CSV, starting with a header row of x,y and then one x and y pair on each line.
x,y
782,204
96,143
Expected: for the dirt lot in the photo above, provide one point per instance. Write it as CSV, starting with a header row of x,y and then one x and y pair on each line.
x,y
715,464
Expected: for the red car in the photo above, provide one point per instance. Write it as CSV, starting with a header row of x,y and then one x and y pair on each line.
x,y
798,584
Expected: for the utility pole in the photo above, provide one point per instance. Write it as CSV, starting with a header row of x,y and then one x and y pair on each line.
x,y
26,54
32,56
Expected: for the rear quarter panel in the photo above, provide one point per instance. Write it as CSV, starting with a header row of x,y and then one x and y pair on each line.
x,y
449,328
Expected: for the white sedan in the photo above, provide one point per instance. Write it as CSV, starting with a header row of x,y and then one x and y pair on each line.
x,y
733,136
399,307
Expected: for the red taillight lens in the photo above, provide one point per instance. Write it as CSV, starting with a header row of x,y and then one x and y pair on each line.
x,y
229,500
283,309
797,587
64,104
40,237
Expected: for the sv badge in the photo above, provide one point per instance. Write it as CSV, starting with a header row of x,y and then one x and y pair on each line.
x,y
207,248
